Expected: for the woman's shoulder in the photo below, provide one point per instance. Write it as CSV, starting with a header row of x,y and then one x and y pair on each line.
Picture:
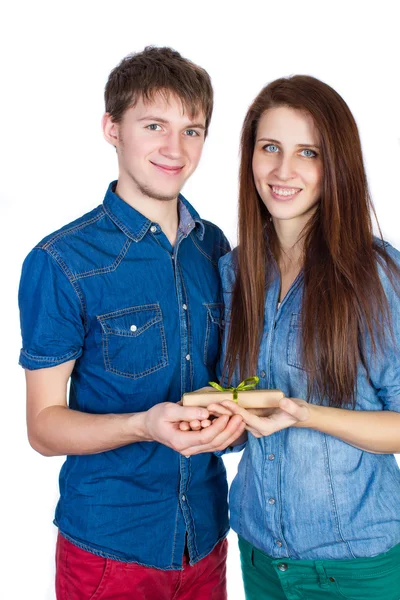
x,y
386,249
388,259
228,265
229,261
392,252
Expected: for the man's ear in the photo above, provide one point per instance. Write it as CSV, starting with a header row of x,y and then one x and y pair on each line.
x,y
110,130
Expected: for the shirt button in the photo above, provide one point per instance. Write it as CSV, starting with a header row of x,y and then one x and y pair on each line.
x,y
153,229
184,306
133,328
283,567
271,501
271,456
187,356
279,543
183,498
262,374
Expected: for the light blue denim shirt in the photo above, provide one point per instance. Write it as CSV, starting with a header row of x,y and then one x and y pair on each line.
x,y
142,320
303,494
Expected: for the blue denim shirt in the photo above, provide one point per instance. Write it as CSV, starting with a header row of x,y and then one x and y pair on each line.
x,y
300,493
142,319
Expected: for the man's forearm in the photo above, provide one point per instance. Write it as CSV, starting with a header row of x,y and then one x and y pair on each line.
x,y
59,431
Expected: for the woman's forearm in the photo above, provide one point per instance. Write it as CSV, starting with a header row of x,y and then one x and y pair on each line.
x,y
372,431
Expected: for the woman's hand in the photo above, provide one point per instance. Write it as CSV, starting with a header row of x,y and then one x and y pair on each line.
x,y
265,421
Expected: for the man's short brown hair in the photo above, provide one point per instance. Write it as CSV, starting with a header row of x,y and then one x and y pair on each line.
x,y
158,70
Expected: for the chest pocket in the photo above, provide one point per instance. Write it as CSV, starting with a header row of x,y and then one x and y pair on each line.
x,y
134,343
214,328
294,354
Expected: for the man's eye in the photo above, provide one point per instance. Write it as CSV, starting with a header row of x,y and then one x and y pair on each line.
x,y
308,153
271,148
154,127
191,133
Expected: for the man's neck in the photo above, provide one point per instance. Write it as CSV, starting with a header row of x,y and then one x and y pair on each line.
x,y
163,212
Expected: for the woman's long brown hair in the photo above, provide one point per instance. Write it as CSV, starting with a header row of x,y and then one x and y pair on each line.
x,y
343,298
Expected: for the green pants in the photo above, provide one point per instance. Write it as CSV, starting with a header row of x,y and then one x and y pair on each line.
x,y
266,578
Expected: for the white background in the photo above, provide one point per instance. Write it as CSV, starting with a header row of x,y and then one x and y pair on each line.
x,y
55,59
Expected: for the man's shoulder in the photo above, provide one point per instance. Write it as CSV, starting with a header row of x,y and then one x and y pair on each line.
x,y
82,226
86,245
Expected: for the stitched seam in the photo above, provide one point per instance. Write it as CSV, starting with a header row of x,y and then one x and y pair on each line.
x,y
332,493
135,237
112,556
201,556
210,320
71,230
133,334
49,359
245,484
189,345
175,532
163,362
130,309
279,485
191,543
201,250
206,340
65,269
341,575
103,581
104,270
190,510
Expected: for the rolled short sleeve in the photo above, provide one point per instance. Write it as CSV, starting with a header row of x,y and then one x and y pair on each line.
x,y
385,367
51,315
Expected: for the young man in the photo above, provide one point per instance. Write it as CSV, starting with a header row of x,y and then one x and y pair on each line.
x,y
126,303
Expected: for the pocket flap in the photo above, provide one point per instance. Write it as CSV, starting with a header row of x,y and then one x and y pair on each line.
x,y
216,312
131,321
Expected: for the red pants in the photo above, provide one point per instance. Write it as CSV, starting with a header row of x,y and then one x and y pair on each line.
x,y
81,575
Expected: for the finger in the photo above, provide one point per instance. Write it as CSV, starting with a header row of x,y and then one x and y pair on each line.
x,y
233,430
216,408
300,413
184,426
175,412
206,423
253,431
261,412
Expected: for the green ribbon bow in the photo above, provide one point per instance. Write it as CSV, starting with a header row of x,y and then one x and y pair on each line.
x,y
247,384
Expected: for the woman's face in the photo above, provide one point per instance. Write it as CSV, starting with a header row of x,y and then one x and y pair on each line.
x,y
287,166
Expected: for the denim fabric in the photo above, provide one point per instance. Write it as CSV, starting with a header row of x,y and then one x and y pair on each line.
x,y
301,493
143,321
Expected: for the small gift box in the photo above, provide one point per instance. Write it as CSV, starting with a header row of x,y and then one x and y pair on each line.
x,y
243,395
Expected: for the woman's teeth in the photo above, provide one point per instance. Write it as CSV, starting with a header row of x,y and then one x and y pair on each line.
x,y
284,192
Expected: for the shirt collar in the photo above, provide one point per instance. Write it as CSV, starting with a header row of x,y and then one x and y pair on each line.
x,y
135,225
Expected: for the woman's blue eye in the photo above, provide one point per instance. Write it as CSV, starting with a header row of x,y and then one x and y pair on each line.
x,y
308,153
271,148
153,127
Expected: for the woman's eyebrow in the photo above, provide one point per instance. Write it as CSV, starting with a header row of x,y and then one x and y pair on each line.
x,y
267,139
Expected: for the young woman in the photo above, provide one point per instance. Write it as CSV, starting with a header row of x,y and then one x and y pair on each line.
x,y
313,309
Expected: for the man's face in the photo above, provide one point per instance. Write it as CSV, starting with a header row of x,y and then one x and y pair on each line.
x,y
158,145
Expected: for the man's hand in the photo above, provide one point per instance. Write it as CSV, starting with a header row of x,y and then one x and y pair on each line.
x,y
161,423
262,422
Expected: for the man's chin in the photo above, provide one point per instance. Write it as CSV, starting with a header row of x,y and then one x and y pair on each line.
x,y
158,195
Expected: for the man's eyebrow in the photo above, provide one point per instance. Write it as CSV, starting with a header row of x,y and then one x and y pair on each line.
x,y
161,120
153,118
297,145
